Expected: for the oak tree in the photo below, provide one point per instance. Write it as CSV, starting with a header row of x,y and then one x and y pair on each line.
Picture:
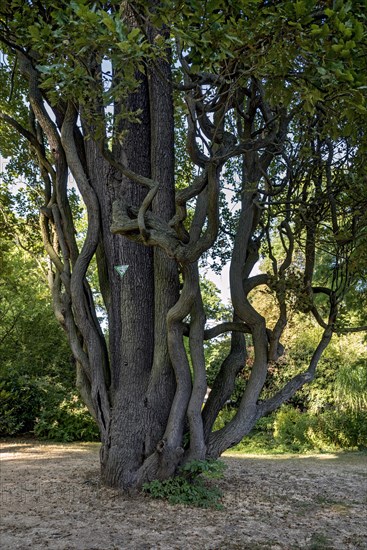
x,y
269,98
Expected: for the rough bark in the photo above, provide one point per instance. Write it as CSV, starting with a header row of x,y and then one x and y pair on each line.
x,y
162,383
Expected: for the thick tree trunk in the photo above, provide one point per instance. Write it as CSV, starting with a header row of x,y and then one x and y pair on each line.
x,y
142,379
166,292
131,332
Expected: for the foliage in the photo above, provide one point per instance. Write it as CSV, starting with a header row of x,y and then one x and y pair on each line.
x,y
189,486
214,308
291,429
30,338
39,405
215,353
37,374
351,386
261,440
20,403
225,416
329,413
63,417
344,429
342,366
296,431
211,469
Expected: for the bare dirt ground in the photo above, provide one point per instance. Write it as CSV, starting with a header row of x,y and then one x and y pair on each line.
x,y
51,498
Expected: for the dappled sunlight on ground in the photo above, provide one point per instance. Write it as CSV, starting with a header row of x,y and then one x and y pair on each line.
x,y
31,451
51,497
285,456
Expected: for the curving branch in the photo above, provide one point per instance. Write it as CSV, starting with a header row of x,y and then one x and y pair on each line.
x,y
197,322
224,382
48,244
348,330
228,326
133,176
125,222
266,407
142,211
210,205
289,249
86,320
196,155
36,101
183,196
164,461
175,316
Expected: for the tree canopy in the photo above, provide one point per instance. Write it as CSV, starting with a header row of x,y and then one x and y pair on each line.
x,y
226,130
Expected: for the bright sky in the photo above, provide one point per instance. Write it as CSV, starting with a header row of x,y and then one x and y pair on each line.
x,y
222,280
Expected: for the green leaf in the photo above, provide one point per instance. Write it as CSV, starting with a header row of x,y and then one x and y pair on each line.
x,y
300,8
133,34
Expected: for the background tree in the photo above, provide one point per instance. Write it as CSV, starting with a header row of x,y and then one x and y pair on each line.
x,y
37,371
278,86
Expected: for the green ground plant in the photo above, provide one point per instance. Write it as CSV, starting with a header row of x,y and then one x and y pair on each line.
x,y
191,487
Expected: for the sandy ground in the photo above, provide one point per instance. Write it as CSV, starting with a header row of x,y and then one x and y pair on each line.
x,y
51,498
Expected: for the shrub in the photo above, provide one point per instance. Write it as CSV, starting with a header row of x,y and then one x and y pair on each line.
x,y
43,406
20,403
351,386
261,439
346,429
337,429
292,429
63,417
